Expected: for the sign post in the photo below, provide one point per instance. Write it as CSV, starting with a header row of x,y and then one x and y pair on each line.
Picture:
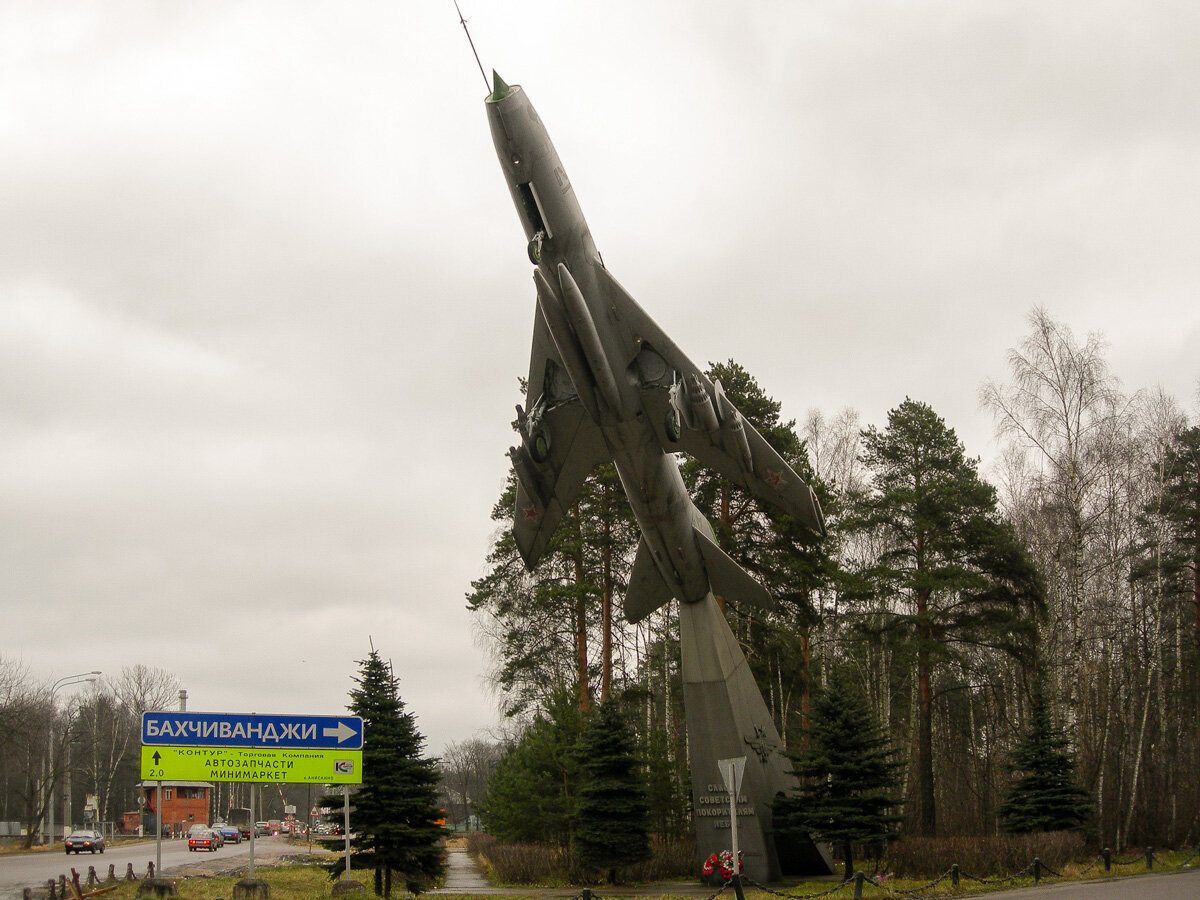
x,y
253,831
248,747
255,765
197,729
185,746
346,823
731,774
158,820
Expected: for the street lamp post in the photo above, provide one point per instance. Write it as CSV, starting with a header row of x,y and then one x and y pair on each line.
x,y
48,812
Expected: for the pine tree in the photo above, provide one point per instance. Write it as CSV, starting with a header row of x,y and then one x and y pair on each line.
x,y
847,776
963,579
544,622
612,825
777,550
394,812
1045,797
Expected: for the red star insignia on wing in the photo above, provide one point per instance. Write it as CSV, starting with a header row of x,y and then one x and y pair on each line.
x,y
531,512
775,479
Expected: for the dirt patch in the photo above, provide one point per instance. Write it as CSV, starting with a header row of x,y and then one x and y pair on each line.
x,y
270,855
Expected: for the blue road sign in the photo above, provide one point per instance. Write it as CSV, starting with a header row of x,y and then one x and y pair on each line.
x,y
199,729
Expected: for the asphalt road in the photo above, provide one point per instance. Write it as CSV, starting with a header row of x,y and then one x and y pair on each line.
x,y
1177,885
20,870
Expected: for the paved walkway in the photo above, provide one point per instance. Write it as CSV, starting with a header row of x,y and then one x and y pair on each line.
x,y
463,875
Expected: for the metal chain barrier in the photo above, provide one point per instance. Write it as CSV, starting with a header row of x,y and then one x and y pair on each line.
x,y
914,891
1013,877
1039,868
1129,862
1095,862
1187,862
767,890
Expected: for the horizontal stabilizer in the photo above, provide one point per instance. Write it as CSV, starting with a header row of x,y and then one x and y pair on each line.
x,y
728,579
647,590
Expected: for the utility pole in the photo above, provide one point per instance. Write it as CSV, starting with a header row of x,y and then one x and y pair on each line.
x,y
48,806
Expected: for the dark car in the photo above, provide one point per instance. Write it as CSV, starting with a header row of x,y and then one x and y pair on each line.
x,y
230,833
79,841
202,838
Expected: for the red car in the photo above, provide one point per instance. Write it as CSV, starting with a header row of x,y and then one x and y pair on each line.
x,y
203,839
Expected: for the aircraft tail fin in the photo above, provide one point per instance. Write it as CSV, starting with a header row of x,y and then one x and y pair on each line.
x,y
728,579
647,590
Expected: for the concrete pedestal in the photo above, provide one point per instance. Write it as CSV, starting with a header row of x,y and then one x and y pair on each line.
x,y
727,718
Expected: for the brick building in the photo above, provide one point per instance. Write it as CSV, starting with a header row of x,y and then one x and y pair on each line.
x,y
184,803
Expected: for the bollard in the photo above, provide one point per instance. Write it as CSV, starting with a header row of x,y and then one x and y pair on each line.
x,y
50,889
93,878
251,889
1037,870
150,869
112,872
1107,854
1149,859
158,888
62,886
858,884
954,874
129,876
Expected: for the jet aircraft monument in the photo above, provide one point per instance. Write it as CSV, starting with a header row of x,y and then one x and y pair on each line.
x,y
607,384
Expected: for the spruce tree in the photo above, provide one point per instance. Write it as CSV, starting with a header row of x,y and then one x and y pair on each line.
x,y
1179,505
847,776
612,825
394,812
1045,796
532,794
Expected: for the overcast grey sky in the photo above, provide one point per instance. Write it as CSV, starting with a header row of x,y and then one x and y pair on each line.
x,y
264,298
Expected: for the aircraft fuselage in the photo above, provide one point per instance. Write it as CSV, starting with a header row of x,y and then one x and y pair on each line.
x,y
603,373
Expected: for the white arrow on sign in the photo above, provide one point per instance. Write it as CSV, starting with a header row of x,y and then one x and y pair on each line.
x,y
343,732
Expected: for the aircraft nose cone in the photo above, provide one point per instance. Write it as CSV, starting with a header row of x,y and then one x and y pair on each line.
x,y
500,90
